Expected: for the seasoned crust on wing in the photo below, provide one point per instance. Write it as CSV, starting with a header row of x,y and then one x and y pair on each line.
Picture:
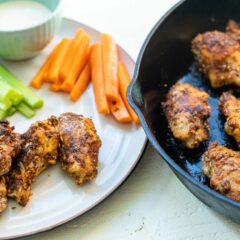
x,y
222,166
3,194
187,110
230,108
39,150
218,55
215,45
79,147
10,143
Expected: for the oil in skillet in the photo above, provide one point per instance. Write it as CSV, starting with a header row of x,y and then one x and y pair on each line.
x,y
190,160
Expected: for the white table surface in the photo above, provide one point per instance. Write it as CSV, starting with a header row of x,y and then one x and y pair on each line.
x,y
152,203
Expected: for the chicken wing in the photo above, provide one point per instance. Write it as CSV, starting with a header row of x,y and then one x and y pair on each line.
x,y
230,107
218,55
10,144
187,110
79,148
222,166
39,150
3,194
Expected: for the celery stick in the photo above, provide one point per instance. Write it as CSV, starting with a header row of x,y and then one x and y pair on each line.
x,y
25,110
8,93
11,111
16,98
29,97
5,106
3,114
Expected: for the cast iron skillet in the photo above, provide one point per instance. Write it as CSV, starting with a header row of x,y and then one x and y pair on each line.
x,y
166,58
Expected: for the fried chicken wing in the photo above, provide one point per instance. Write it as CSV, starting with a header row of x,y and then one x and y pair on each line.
x,y
39,150
218,55
222,166
10,144
3,194
187,110
230,107
79,148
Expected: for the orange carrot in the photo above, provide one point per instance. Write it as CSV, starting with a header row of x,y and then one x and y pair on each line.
x,y
110,62
70,55
81,83
78,63
38,80
52,74
124,80
119,111
55,87
97,76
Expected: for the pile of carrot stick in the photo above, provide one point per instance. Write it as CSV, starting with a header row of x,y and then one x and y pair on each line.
x,y
74,63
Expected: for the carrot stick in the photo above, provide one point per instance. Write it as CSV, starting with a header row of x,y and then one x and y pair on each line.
x,y
52,74
78,63
119,111
124,80
70,55
38,79
81,83
110,62
55,87
97,76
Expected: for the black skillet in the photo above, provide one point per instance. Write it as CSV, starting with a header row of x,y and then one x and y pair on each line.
x,y
166,58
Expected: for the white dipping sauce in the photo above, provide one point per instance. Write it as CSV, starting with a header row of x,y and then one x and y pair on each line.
x,y
20,14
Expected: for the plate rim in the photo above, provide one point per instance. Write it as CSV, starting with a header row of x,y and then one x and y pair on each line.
x,y
107,195
146,144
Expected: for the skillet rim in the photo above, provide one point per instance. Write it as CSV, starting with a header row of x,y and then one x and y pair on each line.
x,y
173,165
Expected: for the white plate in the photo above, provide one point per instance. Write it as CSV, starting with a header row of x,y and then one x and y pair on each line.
x,y
56,199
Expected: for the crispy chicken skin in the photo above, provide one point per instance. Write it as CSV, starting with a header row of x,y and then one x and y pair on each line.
x,y
3,194
187,110
10,144
39,150
230,108
218,55
222,166
79,148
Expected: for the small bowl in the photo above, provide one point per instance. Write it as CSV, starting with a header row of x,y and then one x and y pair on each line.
x,y
26,43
